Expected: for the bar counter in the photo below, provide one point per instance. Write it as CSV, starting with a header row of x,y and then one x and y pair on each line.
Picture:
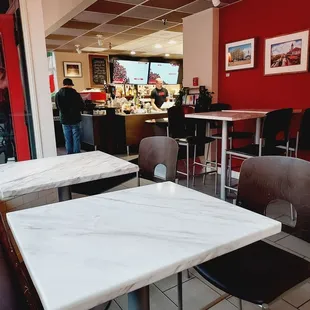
x,y
115,133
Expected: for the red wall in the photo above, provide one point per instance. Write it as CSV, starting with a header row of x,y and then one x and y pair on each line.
x,y
262,19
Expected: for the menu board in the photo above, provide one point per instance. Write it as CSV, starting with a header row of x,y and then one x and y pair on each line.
x,y
168,72
98,70
130,72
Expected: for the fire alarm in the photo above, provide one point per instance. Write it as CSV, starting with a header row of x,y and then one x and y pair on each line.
x,y
195,81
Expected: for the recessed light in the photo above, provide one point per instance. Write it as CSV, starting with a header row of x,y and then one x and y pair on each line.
x,y
167,55
158,46
133,53
172,42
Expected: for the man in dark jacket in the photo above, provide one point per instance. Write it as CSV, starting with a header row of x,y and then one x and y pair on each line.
x,y
69,103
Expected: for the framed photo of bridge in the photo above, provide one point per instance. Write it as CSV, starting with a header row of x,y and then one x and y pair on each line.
x,y
287,53
240,55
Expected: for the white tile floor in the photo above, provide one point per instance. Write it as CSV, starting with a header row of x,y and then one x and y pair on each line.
x,y
197,292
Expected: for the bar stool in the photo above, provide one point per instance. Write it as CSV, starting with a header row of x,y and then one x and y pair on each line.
x,y
183,131
275,122
302,140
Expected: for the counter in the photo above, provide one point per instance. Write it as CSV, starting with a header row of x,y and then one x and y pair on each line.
x,y
115,133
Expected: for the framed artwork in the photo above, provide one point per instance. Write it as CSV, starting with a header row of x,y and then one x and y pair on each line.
x,y
72,69
287,53
240,55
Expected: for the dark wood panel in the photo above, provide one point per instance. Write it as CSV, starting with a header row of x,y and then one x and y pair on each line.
x,y
136,129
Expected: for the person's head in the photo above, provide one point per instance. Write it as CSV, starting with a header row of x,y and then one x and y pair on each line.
x,y
2,74
68,83
159,83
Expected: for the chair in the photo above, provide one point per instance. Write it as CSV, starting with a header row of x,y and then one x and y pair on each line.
x,y
187,133
154,151
17,291
232,134
302,141
260,273
275,123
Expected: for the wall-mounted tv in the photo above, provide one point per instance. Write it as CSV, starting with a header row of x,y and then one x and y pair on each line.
x,y
168,72
130,72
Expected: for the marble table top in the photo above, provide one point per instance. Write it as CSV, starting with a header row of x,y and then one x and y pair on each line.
x,y
84,252
263,111
35,175
225,116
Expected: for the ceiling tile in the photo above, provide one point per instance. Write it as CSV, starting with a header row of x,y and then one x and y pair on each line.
x,y
139,31
94,17
165,35
112,28
168,4
128,1
94,34
126,21
55,42
175,16
68,47
60,37
93,49
146,12
197,6
178,28
85,40
103,6
127,37
51,47
80,25
70,31
156,25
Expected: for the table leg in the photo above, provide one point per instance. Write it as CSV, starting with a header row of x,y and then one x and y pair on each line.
x,y
223,159
138,179
258,129
64,193
139,299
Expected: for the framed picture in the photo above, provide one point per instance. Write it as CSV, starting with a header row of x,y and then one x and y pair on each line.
x,y
287,53
240,55
72,69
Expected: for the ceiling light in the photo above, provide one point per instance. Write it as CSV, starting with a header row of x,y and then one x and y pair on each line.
x,y
100,39
167,55
78,50
216,2
158,46
172,42
133,53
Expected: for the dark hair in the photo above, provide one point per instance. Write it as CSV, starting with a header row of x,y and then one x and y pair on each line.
x,y
2,70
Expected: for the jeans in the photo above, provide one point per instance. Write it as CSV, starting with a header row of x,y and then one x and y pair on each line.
x,y
72,138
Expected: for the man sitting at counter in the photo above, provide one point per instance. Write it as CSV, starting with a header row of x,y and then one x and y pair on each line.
x,y
159,95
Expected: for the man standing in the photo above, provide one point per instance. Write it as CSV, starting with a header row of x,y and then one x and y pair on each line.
x,y
159,95
69,103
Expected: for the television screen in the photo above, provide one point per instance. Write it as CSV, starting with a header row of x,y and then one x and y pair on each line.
x,y
130,72
168,72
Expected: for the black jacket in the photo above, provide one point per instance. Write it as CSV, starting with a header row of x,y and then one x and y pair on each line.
x,y
70,104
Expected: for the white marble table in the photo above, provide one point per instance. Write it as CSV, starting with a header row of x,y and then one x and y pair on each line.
x,y
82,253
59,172
225,117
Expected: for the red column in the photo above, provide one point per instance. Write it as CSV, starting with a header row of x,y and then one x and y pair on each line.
x,y
15,87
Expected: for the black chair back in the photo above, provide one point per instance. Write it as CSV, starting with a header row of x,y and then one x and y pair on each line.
x,y
179,127
154,151
176,122
215,107
304,130
269,178
275,123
